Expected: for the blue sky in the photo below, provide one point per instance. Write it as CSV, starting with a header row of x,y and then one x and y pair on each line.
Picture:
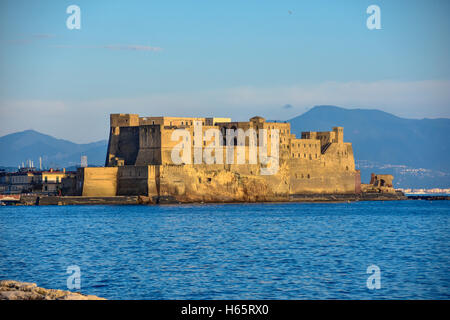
x,y
223,58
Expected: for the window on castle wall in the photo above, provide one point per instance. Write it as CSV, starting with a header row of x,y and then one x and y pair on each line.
x,y
309,176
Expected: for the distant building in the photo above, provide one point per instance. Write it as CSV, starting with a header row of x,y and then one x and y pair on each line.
x,y
22,181
84,162
28,180
4,181
52,181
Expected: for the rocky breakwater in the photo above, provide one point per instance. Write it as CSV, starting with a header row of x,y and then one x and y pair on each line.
x,y
16,290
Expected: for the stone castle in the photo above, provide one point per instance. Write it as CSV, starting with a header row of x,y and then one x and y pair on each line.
x,y
139,162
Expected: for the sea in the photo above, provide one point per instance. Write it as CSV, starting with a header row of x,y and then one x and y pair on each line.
x,y
358,250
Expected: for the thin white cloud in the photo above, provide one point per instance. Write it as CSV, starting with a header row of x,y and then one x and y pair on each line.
x,y
27,39
111,47
132,47
85,121
43,36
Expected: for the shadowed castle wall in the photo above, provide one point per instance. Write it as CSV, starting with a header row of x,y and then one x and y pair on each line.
x,y
150,143
123,144
137,180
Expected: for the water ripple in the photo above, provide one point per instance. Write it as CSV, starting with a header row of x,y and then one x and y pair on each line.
x,y
236,251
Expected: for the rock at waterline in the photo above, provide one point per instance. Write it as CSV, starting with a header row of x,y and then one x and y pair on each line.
x,y
16,290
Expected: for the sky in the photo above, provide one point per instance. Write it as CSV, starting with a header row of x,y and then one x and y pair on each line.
x,y
276,59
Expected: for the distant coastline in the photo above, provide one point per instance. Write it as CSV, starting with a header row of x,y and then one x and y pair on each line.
x,y
433,191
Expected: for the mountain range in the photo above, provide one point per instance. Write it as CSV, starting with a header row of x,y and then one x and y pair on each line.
x,y
26,145
415,151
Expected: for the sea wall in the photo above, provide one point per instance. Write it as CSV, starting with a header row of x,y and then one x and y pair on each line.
x,y
85,200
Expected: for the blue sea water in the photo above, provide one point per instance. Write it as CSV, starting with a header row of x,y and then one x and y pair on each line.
x,y
233,251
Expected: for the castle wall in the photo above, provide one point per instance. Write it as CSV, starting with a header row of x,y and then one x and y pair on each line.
x,y
340,156
133,180
305,149
221,183
124,120
138,180
128,145
150,142
314,177
123,144
98,181
358,188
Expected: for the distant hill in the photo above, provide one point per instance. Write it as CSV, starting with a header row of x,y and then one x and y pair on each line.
x,y
18,147
382,141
